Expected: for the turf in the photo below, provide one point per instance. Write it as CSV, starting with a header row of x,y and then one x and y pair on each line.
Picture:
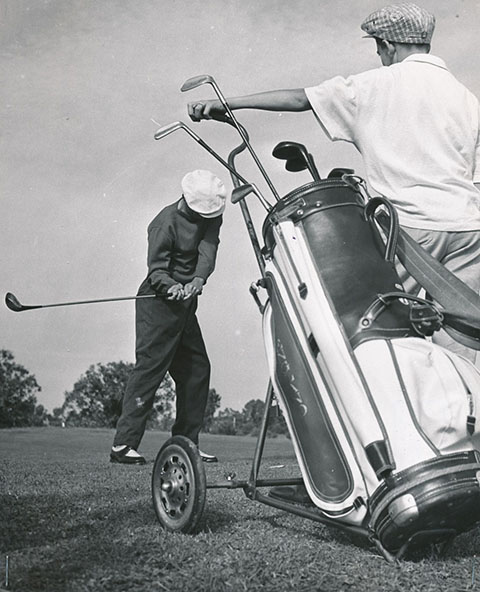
x,y
71,521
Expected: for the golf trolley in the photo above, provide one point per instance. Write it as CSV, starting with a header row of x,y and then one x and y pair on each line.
x,y
349,367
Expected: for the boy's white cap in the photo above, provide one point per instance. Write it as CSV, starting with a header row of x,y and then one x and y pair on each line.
x,y
204,193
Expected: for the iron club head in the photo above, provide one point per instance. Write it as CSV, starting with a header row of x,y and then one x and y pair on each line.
x,y
167,129
192,83
241,192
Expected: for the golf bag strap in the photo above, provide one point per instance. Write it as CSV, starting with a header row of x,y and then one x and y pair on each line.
x,y
460,304
424,316
393,227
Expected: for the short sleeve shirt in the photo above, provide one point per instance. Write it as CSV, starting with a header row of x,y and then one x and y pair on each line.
x,y
417,129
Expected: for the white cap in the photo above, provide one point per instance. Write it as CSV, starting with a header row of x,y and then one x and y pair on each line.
x,y
204,193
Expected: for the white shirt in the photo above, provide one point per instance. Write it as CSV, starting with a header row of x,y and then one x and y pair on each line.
x,y
417,129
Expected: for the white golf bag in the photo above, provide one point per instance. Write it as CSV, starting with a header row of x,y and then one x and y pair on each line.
x,y
381,419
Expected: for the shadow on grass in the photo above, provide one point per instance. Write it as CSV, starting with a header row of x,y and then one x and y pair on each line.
x,y
45,519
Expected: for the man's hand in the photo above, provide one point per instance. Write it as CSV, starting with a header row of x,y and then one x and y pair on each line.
x,y
193,288
212,109
175,292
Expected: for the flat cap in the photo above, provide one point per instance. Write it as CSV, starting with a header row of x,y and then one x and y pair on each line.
x,y
400,23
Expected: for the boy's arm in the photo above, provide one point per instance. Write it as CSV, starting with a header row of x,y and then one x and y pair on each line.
x,y
207,255
274,100
160,244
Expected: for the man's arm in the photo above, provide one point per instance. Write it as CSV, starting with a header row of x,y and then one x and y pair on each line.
x,y
275,100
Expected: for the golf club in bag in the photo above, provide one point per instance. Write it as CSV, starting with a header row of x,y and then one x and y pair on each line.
x,y
382,420
197,81
297,158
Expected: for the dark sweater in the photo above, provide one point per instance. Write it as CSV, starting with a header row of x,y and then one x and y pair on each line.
x,y
181,245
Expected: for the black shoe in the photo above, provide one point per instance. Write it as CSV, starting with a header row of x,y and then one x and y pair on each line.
x,y
290,493
121,456
207,457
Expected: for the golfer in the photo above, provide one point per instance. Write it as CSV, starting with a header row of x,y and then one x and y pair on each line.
x,y
182,249
417,129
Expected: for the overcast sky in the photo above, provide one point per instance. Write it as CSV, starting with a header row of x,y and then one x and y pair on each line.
x,y
84,85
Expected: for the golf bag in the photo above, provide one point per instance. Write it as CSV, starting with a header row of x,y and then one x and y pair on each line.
x,y
382,420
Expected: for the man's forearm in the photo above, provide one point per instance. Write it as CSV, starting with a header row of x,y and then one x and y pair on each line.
x,y
275,100
294,99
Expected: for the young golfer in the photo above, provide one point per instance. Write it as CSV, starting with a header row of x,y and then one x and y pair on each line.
x,y
182,249
417,128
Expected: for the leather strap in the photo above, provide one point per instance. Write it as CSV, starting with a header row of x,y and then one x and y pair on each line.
x,y
460,304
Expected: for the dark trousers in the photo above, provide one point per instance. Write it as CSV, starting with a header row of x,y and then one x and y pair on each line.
x,y
168,338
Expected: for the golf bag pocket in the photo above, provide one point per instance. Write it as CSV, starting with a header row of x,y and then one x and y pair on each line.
x,y
322,445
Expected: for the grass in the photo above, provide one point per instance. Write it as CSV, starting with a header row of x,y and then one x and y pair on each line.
x,y
71,521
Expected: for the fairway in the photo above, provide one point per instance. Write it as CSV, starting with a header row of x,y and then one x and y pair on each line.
x,y
71,521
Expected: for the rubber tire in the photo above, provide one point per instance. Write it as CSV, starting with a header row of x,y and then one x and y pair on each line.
x,y
179,465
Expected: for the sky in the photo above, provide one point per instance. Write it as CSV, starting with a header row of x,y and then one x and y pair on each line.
x,y
84,86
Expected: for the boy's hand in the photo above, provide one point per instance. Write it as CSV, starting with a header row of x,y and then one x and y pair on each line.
x,y
175,292
193,288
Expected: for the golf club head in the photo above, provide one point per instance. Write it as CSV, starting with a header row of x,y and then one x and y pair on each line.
x,y
13,303
192,83
290,150
168,129
241,192
295,165
338,173
297,158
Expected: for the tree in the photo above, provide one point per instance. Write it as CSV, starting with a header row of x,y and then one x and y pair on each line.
x,y
96,398
226,422
252,415
213,403
18,390
248,421
163,414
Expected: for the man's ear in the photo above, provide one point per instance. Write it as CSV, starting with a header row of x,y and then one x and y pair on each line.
x,y
391,48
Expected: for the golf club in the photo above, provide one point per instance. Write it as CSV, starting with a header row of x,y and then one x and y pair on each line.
x,y
244,208
176,125
242,191
196,81
14,304
297,158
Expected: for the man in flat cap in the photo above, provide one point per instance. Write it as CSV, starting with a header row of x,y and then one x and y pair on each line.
x,y
417,129
182,249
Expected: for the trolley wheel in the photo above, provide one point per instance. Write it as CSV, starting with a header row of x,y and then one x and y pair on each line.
x,y
179,485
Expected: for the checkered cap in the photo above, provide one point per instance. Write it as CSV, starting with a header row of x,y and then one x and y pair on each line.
x,y
400,23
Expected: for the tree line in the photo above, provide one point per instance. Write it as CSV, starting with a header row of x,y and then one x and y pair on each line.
x,y
96,398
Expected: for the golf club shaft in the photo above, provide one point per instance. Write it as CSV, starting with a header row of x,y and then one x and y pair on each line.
x,y
246,212
22,307
204,145
245,139
313,168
